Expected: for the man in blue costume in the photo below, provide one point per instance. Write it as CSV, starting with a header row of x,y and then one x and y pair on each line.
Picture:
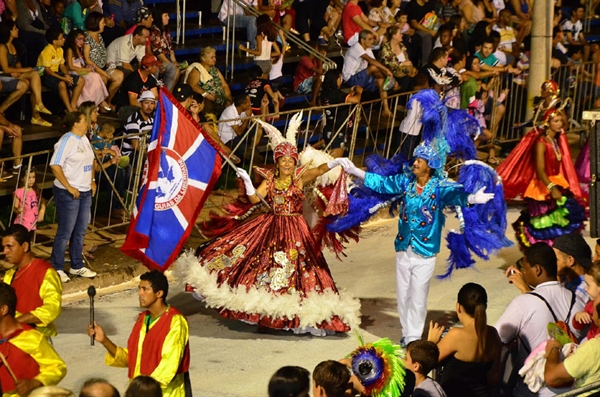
x,y
423,196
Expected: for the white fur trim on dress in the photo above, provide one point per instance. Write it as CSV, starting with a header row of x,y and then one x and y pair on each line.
x,y
315,308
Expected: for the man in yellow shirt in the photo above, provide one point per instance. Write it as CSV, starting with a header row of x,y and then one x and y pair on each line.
x,y
36,283
158,345
56,75
32,359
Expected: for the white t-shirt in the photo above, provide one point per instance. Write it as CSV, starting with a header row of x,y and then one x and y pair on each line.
x,y
237,10
76,157
122,50
501,57
275,71
527,317
226,133
574,28
353,61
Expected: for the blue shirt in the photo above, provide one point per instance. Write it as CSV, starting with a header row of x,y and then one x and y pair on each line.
x,y
421,219
122,10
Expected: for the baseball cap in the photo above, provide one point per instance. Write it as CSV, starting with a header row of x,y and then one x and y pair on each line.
x,y
147,96
150,60
574,245
182,92
142,13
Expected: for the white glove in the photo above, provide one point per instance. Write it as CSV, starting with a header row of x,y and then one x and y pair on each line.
x,y
480,197
334,163
350,168
250,190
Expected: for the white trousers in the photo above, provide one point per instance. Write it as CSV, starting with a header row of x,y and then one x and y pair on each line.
x,y
413,273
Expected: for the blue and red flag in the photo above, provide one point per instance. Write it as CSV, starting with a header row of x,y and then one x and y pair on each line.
x,y
181,169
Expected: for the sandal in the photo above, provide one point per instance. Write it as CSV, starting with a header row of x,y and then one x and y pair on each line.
x,y
40,121
493,160
42,109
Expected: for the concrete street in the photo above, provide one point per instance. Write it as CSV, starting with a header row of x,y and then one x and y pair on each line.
x,y
231,359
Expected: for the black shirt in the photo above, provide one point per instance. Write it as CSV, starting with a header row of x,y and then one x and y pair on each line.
x,y
417,12
135,84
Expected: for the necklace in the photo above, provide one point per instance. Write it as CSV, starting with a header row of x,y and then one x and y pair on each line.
x,y
554,147
21,271
283,184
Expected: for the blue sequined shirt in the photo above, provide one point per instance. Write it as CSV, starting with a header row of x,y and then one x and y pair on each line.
x,y
421,219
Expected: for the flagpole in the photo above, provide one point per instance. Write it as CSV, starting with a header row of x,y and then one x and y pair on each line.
x,y
228,161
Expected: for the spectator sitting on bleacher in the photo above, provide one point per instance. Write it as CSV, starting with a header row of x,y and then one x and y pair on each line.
x,y
354,21
46,6
260,92
573,30
206,80
489,62
135,84
417,11
32,28
143,17
76,13
232,131
56,76
508,40
441,78
394,56
122,51
123,11
94,54
240,18
307,78
94,89
14,132
140,121
16,80
161,47
361,68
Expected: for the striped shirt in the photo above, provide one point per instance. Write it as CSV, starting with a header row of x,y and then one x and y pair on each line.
x,y
135,124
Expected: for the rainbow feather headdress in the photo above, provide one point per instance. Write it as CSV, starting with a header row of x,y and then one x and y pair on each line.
x,y
379,368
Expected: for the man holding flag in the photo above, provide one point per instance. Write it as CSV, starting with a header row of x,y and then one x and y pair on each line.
x,y
181,169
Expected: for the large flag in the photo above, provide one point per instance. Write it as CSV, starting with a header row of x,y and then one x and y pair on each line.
x,y
180,171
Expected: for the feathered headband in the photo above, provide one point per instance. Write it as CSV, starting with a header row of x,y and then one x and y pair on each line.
x,y
284,146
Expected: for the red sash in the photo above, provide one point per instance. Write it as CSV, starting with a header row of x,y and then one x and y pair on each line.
x,y
153,344
27,285
23,365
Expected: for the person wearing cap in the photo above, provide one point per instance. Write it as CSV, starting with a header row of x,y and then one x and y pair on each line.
x,y
122,51
140,121
144,18
573,256
135,84
186,98
420,225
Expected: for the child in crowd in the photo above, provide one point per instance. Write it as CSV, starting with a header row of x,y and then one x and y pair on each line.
x,y
421,357
260,91
56,76
307,78
275,74
330,379
333,17
290,381
104,144
583,319
266,45
28,204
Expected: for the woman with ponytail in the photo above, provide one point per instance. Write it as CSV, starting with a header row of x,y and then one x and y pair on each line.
x,y
470,355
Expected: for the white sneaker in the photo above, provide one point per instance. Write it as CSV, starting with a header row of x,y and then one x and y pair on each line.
x,y
83,272
63,276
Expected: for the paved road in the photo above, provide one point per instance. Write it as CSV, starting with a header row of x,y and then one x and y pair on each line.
x,y
230,359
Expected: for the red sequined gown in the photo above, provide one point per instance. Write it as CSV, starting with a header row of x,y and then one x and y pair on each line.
x,y
267,271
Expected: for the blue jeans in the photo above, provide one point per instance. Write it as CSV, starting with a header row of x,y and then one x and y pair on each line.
x,y
73,217
248,22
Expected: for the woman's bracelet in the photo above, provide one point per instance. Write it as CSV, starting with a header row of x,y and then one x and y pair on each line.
x,y
551,186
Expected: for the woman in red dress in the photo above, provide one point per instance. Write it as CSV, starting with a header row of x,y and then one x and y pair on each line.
x,y
267,271
541,170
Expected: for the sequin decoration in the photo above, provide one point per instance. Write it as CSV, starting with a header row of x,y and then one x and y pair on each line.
x,y
293,255
280,277
220,262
